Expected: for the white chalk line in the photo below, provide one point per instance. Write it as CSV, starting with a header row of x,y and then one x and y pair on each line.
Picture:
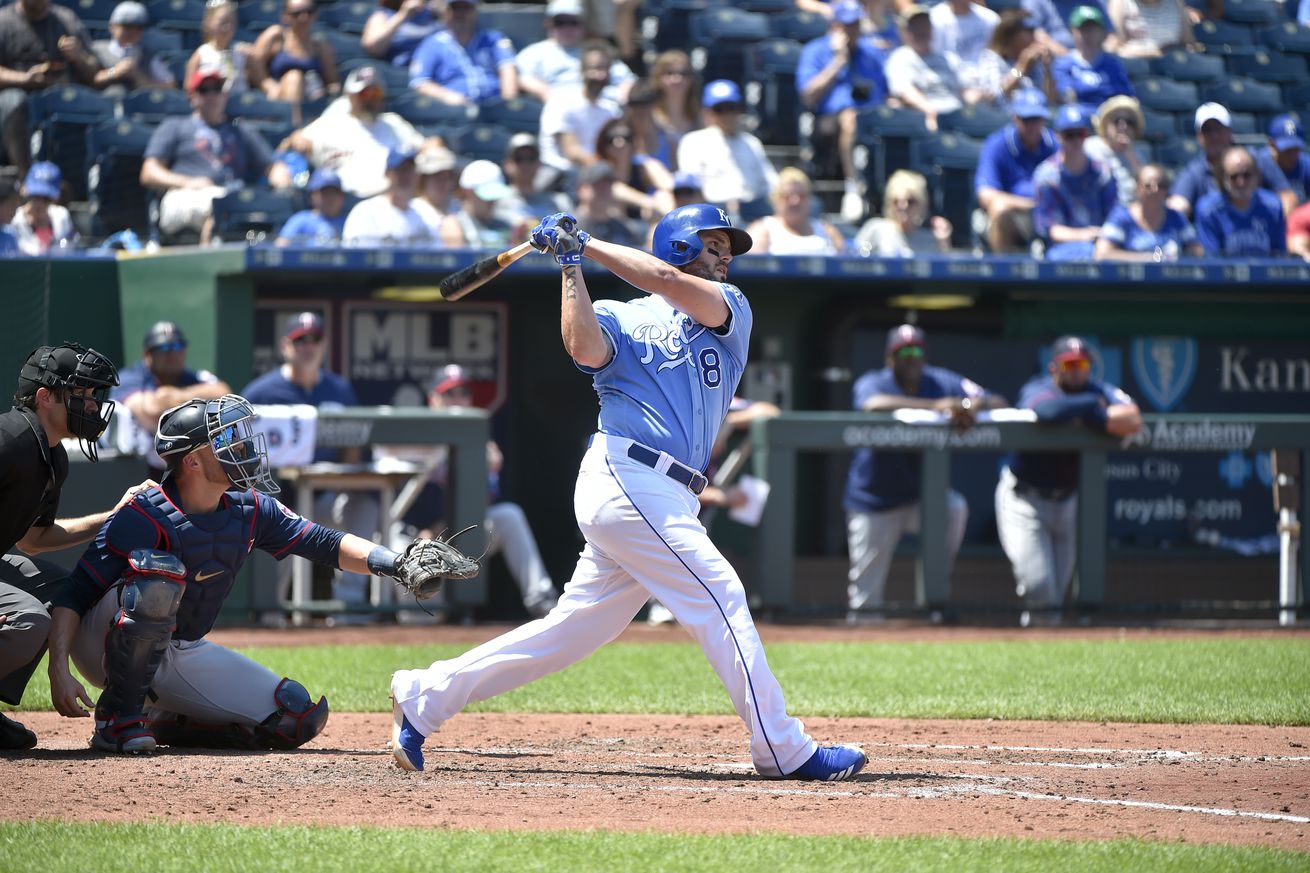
x,y
1163,754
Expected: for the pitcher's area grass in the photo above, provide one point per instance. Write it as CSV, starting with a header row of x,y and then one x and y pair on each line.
x,y
47,847
1220,681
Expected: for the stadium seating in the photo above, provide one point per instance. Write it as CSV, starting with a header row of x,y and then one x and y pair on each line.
x,y
768,7
115,151
523,24
254,106
889,134
1186,66
57,120
771,68
949,162
724,33
1298,97
1166,95
251,211
1268,66
1288,37
1136,68
179,16
395,78
160,41
347,16
482,142
1223,37
423,111
1263,12
345,46
975,121
1246,95
1176,154
800,26
521,113
93,13
673,21
156,104
1163,127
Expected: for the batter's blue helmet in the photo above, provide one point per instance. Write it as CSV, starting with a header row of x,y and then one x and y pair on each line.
x,y
677,236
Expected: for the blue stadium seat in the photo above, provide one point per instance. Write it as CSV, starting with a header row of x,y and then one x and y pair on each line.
x,y
524,24
57,121
1186,66
1175,155
673,21
92,12
1246,95
800,26
347,16
769,7
259,14
481,142
1263,12
177,61
725,33
395,78
419,109
889,134
949,161
1268,66
521,113
1246,124
1288,37
771,65
252,210
1297,98
182,17
159,41
1167,95
1223,37
1136,68
156,104
1162,127
254,106
977,121
115,151
345,46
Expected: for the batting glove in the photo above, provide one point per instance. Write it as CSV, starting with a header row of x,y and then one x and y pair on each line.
x,y
568,247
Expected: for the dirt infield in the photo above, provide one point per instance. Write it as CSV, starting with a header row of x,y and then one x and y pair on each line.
x,y
1197,783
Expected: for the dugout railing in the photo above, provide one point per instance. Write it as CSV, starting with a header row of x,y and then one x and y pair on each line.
x,y
778,441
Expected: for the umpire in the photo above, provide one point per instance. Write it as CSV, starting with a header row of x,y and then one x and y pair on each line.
x,y
62,394
1036,509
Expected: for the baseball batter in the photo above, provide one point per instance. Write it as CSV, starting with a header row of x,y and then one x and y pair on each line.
x,y
1036,509
665,367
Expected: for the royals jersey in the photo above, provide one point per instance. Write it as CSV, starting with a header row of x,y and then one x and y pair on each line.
x,y
1228,232
671,380
212,546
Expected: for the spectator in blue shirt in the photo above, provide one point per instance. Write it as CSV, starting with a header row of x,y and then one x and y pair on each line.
x,y
1074,193
1088,75
882,487
396,28
837,75
1214,131
1242,220
321,225
1286,155
1004,180
1146,229
464,64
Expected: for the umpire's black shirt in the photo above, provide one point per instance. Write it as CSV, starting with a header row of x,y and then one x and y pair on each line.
x,y
31,475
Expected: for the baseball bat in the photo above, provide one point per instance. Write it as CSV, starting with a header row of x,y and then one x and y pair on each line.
x,y
475,275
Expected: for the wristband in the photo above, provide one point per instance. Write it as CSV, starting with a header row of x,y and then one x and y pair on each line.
x,y
383,562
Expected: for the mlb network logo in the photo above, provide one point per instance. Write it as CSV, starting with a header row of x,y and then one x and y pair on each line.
x,y
1164,367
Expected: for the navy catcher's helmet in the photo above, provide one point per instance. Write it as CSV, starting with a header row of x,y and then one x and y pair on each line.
x,y
677,236
223,424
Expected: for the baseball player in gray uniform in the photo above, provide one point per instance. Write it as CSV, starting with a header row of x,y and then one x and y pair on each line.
x,y
1036,513
665,367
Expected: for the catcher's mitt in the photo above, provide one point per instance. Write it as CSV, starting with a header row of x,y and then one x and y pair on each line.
x,y
426,564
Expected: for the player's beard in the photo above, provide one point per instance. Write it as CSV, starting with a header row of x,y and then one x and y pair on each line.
x,y
705,271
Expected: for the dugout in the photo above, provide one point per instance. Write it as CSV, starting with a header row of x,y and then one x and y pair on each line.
x,y
1191,338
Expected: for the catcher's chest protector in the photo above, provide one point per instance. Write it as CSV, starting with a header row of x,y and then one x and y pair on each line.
x,y
213,554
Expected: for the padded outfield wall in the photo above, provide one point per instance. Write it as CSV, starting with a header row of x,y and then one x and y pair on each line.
x,y
1181,338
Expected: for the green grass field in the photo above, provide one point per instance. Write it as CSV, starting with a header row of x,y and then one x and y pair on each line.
x,y
1219,680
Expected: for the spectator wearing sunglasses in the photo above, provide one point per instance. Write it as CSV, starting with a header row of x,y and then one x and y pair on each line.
x,y
555,63
290,62
905,228
1074,193
464,64
1119,124
1241,219
1146,229
882,487
1214,133
1036,509
159,381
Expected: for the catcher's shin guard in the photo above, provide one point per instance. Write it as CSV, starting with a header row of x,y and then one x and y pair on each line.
x,y
134,647
297,721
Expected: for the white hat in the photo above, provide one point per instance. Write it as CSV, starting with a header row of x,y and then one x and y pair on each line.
x,y
1213,112
434,160
563,7
485,180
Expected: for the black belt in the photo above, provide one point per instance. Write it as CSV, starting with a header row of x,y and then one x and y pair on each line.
x,y
1055,494
694,481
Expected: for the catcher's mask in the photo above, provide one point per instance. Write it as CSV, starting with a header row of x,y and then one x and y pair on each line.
x,y
225,426
68,368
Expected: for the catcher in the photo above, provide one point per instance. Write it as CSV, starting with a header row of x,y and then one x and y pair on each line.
x,y
135,612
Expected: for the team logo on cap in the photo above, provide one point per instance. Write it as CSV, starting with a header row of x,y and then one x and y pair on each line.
x,y
1164,367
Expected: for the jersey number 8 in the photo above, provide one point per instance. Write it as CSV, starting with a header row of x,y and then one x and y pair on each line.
x,y
711,373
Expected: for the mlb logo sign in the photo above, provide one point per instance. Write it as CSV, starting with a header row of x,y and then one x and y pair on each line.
x,y
1164,367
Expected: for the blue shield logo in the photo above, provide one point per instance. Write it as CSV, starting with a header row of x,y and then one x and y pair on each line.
x,y
1164,367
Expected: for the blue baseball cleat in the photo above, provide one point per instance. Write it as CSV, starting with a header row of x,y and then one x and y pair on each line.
x,y
406,742
831,764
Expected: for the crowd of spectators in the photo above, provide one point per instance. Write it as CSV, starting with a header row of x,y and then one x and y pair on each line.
x,y
379,120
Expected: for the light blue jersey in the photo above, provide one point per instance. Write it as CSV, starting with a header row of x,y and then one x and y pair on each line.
x,y
671,380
